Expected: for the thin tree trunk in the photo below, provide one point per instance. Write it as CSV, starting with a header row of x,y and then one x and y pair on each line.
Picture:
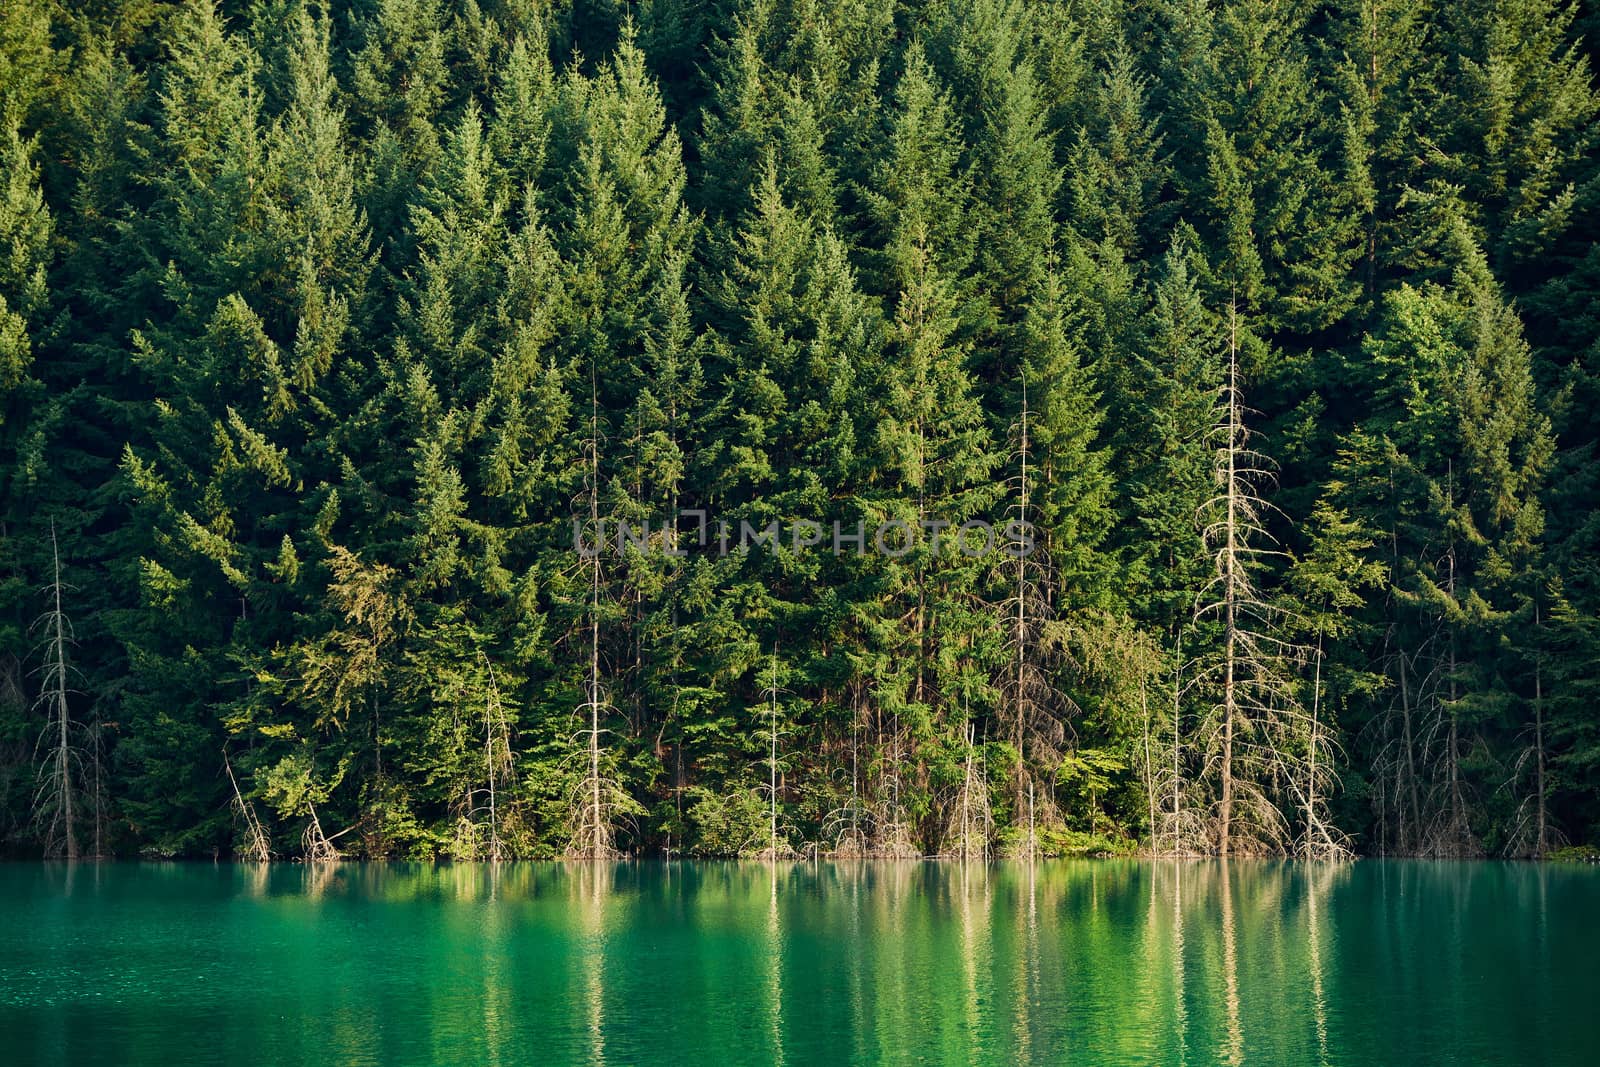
x,y
1538,749
1408,837
592,837
1177,694
64,756
593,831
1149,767
494,742
55,802
1021,621
1458,820
1314,827
259,849
1230,583
772,766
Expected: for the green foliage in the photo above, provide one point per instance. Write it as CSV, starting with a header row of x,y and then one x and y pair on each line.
x,y
321,322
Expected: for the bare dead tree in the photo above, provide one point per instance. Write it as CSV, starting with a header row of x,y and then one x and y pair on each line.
x,y
1421,756
598,801
847,830
1147,767
1176,828
1183,796
772,759
1248,738
972,819
482,816
778,846
59,751
1397,784
294,788
1320,839
1438,798
1033,706
317,847
892,836
257,845
497,758
1532,833
1451,832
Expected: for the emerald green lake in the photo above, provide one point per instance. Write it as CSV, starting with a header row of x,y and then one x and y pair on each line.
x,y
1091,962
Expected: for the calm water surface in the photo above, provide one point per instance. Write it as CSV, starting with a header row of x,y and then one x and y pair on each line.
x,y
1093,962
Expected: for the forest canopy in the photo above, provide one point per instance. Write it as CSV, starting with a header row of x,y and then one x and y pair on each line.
x,y
329,329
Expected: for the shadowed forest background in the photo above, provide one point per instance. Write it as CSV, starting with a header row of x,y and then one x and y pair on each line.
x,y
320,323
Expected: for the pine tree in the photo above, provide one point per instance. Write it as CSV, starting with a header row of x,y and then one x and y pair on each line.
x,y
1330,585
1161,410
25,233
520,123
1254,162
320,325
930,447
1117,170
27,61
1015,176
1382,76
793,332
1521,120
214,374
396,84
1473,449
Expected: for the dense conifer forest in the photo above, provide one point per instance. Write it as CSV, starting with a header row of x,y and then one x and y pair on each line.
x,y
331,334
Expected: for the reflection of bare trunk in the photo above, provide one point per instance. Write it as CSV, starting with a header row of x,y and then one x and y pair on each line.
x,y
1027,984
1319,1006
592,885
1230,965
775,969
973,940
1180,1004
